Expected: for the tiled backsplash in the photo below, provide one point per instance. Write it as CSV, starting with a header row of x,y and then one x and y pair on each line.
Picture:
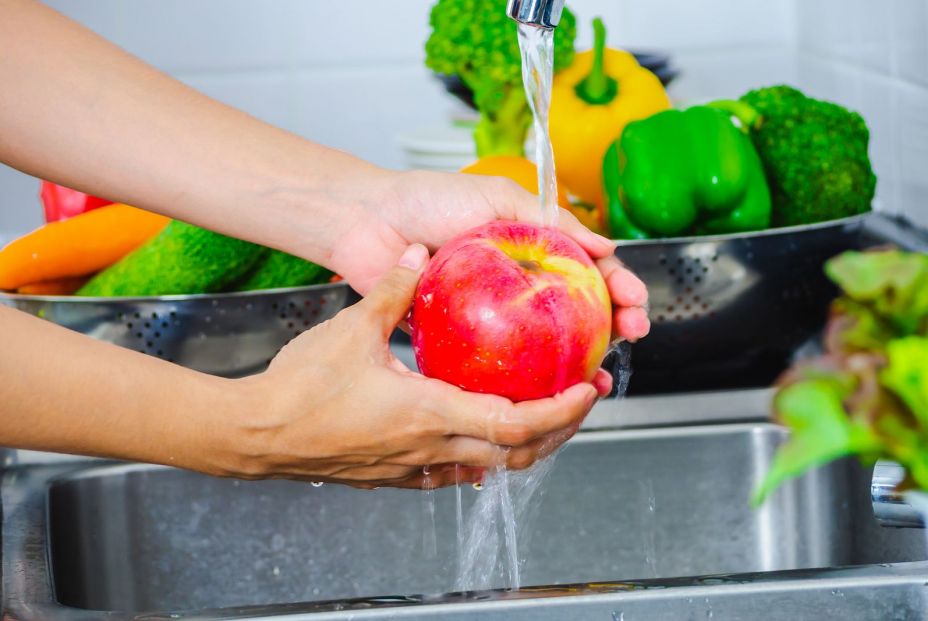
x,y
332,72
873,57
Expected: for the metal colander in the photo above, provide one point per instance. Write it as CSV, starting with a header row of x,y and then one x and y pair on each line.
x,y
225,334
729,311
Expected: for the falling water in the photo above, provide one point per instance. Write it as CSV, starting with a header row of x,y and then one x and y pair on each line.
x,y
488,540
649,543
429,539
496,525
537,46
459,512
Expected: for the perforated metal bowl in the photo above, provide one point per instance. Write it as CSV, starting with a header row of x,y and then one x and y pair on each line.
x,y
226,334
729,311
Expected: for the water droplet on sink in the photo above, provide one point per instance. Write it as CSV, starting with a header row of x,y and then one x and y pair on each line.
x,y
316,483
478,486
618,616
276,570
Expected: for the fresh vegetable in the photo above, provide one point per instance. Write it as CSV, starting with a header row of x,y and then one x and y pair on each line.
x,y
61,203
182,259
279,269
592,100
475,40
684,172
868,394
513,309
78,246
62,286
814,154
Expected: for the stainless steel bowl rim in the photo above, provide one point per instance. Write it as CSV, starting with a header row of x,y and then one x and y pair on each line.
x,y
783,230
171,298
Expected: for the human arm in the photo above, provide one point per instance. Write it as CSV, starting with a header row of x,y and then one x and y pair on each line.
x,y
356,415
80,111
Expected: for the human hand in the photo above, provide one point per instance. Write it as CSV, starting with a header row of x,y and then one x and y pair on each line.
x,y
431,208
336,405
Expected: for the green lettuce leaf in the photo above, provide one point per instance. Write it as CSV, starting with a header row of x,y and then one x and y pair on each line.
x,y
868,395
893,283
906,374
821,431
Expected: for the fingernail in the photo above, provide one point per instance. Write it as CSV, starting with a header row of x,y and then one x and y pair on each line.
x,y
591,397
414,257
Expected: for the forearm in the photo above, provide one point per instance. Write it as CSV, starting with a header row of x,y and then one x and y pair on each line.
x,y
80,111
62,391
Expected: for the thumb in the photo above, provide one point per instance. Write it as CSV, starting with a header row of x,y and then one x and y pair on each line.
x,y
390,299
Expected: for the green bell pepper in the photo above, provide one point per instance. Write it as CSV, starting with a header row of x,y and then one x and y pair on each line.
x,y
684,172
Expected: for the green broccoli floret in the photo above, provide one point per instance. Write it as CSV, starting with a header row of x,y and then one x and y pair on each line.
x,y
476,40
815,156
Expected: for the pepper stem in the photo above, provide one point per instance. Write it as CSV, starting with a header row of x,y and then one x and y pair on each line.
x,y
750,118
598,88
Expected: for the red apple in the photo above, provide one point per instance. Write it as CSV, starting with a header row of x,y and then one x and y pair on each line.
x,y
512,309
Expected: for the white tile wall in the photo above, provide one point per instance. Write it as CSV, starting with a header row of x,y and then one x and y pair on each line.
x,y
331,72
873,57
20,209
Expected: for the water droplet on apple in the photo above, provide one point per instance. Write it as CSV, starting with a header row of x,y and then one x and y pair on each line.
x,y
317,484
426,470
478,486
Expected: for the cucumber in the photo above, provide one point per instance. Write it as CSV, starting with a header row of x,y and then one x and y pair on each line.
x,y
182,259
279,270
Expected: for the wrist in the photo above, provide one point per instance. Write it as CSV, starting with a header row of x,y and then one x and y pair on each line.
x,y
316,200
249,427
202,429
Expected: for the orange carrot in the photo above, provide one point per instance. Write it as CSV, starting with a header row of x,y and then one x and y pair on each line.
x,y
62,286
78,246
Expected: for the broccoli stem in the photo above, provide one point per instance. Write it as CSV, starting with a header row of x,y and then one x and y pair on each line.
x,y
503,132
750,118
598,88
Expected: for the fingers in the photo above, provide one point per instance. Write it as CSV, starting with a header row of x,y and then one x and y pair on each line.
x,y
512,202
632,323
500,421
630,295
388,302
602,381
625,288
596,245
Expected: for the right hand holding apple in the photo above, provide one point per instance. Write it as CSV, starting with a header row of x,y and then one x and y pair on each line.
x,y
337,406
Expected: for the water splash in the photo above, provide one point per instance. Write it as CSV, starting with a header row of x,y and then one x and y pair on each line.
x,y
497,525
507,512
537,47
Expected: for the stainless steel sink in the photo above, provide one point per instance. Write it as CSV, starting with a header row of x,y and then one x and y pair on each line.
x,y
625,514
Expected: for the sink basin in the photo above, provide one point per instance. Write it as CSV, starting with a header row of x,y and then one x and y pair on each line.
x,y
636,507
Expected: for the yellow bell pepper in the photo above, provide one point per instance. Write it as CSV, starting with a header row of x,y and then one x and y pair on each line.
x,y
591,102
